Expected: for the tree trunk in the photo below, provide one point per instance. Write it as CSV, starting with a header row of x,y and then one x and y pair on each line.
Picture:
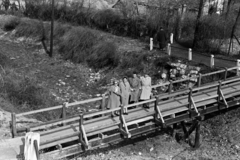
x,y
225,6
196,34
228,7
233,30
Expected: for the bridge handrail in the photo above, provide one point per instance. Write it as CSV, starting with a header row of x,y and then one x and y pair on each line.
x,y
100,98
117,109
59,106
89,115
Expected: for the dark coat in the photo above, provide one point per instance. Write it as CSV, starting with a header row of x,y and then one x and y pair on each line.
x,y
162,39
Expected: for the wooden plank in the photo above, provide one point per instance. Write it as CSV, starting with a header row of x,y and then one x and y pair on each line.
x,y
40,110
140,120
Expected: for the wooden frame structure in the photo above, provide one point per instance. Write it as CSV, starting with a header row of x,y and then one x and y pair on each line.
x,y
71,135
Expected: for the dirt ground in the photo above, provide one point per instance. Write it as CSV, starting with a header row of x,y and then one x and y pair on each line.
x,y
220,134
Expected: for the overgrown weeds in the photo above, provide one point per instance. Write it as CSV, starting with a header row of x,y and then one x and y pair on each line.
x,y
103,55
22,91
11,23
134,60
77,44
29,28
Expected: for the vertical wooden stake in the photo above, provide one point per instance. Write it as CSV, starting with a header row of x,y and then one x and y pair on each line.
x,y
151,44
14,127
169,49
225,74
170,87
212,61
189,99
64,112
197,136
218,92
238,64
103,102
190,54
171,38
155,107
199,79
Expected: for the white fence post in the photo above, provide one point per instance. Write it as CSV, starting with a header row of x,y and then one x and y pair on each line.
x,y
238,69
169,49
151,44
171,38
212,61
190,54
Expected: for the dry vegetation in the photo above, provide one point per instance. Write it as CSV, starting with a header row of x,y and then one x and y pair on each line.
x,y
31,80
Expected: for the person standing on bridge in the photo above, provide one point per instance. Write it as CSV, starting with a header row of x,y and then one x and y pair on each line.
x,y
162,38
114,100
146,89
136,86
125,92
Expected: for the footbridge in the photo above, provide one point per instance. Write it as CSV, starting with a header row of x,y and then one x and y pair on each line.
x,y
73,134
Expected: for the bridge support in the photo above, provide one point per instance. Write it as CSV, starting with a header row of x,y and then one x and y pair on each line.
x,y
123,125
187,132
82,134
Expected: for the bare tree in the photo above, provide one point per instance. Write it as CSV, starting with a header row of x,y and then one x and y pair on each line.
x,y
196,34
233,30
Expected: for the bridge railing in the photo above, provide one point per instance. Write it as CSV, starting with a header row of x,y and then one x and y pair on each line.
x,y
64,107
164,115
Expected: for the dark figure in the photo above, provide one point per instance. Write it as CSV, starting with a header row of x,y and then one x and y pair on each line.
x,y
162,38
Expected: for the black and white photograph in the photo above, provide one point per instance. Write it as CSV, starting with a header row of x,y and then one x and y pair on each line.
x,y
119,79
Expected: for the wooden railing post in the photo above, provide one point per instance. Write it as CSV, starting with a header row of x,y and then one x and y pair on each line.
x,y
64,106
14,127
189,99
199,80
103,102
156,103
218,91
225,74
170,87
82,134
238,65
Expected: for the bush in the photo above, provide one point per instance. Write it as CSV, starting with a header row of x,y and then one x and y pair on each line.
x,y
188,26
11,23
23,91
77,44
134,60
106,19
104,55
29,28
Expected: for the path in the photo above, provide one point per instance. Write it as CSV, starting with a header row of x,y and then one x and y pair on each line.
x,y
180,51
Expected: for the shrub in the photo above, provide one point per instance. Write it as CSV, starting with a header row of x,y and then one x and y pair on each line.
x,y
188,25
103,55
77,43
134,60
29,28
24,93
105,19
11,23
